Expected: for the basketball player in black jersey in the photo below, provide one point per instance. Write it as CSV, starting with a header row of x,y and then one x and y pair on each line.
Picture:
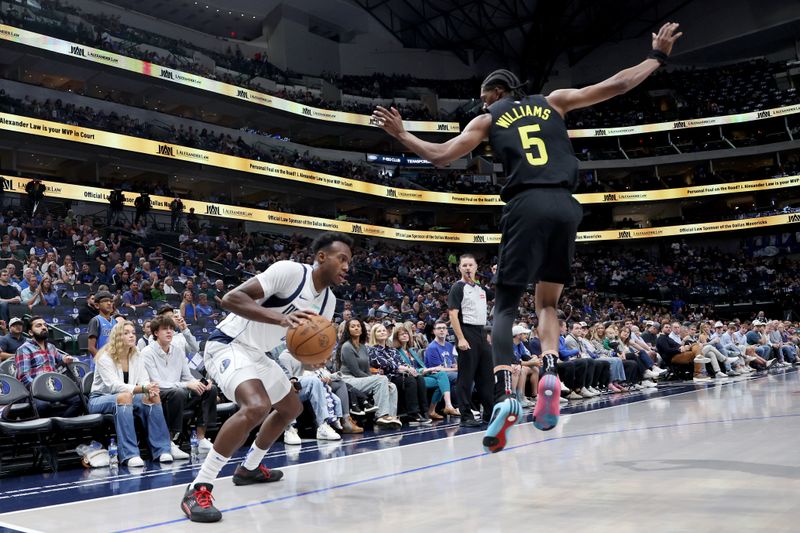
x,y
540,218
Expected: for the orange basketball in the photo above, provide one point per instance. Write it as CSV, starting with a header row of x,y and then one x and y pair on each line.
x,y
313,342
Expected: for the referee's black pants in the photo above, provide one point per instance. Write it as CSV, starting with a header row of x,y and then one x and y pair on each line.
x,y
475,369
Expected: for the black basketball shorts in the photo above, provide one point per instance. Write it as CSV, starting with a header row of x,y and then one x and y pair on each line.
x,y
538,228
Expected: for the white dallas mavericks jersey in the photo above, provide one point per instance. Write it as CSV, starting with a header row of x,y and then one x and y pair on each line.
x,y
288,287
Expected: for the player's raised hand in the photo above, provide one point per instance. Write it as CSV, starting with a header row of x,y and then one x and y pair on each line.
x,y
666,37
297,318
389,120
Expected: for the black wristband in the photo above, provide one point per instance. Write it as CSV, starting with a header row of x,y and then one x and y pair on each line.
x,y
658,55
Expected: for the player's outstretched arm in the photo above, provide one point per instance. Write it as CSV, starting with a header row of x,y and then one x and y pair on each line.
x,y
565,100
439,154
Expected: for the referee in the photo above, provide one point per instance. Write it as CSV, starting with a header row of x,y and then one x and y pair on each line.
x,y
467,308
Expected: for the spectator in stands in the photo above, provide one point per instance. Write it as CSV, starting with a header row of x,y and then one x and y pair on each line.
x,y
327,408
168,367
157,292
122,387
88,311
386,309
185,341
677,353
48,293
123,283
12,276
352,360
10,342
100,325
188,309
599,371
441,356
146,337
782,350
8,295
85,276
709,350
187,270
635,366
434,378
219,292
133,298
36,356
572,370
202,308
30,295
410,385
103,275
758,341
521,373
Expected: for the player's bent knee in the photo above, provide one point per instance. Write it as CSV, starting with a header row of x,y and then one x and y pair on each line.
x,y
255,410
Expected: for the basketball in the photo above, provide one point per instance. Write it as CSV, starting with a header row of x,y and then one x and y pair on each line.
x,y
312,343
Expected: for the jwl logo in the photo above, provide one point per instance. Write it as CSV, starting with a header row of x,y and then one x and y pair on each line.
x,y
357,229
624,234
794,218
166,74
164,149
599,133
679,124
610,198
391,193
763,114
77,51
479,238
307,111
241,93
213,210
443,127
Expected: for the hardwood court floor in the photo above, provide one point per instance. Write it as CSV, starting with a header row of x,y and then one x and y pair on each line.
x,y
697,459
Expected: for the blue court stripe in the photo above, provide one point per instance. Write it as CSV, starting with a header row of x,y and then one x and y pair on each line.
x,y
459,460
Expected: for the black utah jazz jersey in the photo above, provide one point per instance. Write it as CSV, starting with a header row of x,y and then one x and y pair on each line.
x,y
530,138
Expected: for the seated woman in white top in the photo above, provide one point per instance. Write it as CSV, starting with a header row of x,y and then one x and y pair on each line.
x,y
122,387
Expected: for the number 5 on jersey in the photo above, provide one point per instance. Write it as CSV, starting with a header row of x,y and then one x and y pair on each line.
x,y
529,141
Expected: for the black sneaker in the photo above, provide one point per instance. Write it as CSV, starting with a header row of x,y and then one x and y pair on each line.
x,y
357,410
470,423
418,420
262,474
369,408
198,504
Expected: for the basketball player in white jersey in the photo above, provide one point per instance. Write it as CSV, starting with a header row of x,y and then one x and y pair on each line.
x,y
261,310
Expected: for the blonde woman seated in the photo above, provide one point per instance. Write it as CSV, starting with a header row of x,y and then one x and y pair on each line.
x,y
432,377
122,388
410,384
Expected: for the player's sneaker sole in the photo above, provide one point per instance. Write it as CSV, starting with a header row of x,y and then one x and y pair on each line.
x,y
504,415
548,407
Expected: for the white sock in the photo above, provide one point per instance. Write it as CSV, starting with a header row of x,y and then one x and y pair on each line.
x,y
253,457
211,467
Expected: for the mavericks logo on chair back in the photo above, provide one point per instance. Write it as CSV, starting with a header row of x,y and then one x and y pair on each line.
x,y
54,384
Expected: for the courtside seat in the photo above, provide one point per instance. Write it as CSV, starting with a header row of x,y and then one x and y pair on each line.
x,y
57,388
8,367
23,440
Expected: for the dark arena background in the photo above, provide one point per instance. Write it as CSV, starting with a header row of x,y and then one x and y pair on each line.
x,y
165,164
